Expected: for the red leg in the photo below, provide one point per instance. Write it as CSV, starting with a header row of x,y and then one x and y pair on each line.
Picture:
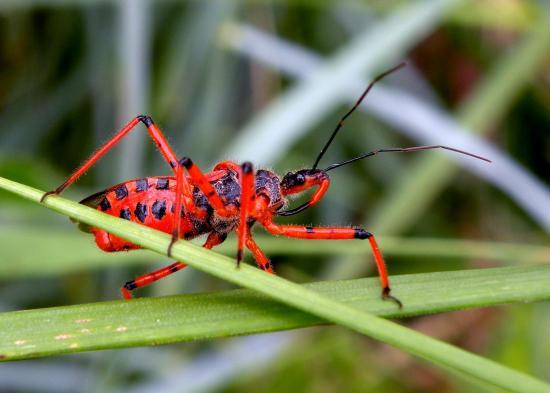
x,y
207,188
155,134
247,195
227,165
337,233
148,278
261,259
183,189
213,240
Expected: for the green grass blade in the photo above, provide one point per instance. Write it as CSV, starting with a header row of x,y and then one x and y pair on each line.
x,y
299,297
151,321
32,252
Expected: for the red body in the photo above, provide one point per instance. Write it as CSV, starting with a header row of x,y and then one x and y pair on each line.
x,y
153,207
152,202
230,198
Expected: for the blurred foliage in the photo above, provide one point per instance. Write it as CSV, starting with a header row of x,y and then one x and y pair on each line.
x,y
62,95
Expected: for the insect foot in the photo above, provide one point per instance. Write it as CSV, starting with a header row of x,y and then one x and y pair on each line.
x,y
46,194
386,296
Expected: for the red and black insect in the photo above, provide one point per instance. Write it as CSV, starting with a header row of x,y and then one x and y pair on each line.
x,y
230,198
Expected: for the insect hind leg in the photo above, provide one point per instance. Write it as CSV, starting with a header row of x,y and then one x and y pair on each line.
x,y
149,278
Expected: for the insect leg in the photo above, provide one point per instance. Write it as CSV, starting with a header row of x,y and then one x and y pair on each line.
x,y
148,278
261,259
213,240
153,131
227,165
337,233
183,189
246,205
207,188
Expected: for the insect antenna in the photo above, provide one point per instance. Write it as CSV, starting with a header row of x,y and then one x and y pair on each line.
x,y
402,150
343,119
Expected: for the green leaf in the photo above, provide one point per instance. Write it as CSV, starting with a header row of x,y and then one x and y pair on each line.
x,y
296,296
151,321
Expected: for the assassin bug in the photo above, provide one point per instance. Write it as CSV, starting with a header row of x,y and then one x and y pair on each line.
x,y
231,197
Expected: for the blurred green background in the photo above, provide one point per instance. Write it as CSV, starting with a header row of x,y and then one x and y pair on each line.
x,y
268,81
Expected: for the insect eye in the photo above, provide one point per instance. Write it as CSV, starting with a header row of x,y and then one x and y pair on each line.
x,y
300,179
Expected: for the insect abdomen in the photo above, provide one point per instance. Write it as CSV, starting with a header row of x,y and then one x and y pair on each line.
x,y
149,201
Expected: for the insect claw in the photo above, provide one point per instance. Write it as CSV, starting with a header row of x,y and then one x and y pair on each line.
x,y
46,194
386,296
127,288
172,242
239,257
126,293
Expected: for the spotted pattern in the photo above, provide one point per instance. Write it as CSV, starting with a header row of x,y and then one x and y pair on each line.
x,y
141,185
121,192
104,204
141,212
159,209
162,184
173,210
125,213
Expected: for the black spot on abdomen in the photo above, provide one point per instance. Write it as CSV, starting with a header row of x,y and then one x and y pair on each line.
x,y
141,185
121,192
104,204
159,209
125,213
141,212
162,184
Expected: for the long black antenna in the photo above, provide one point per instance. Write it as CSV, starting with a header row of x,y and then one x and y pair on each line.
x,y
304,206
341,122
402,150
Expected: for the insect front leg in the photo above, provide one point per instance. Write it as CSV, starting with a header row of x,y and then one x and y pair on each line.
x,y
207,188
246,205
337,233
